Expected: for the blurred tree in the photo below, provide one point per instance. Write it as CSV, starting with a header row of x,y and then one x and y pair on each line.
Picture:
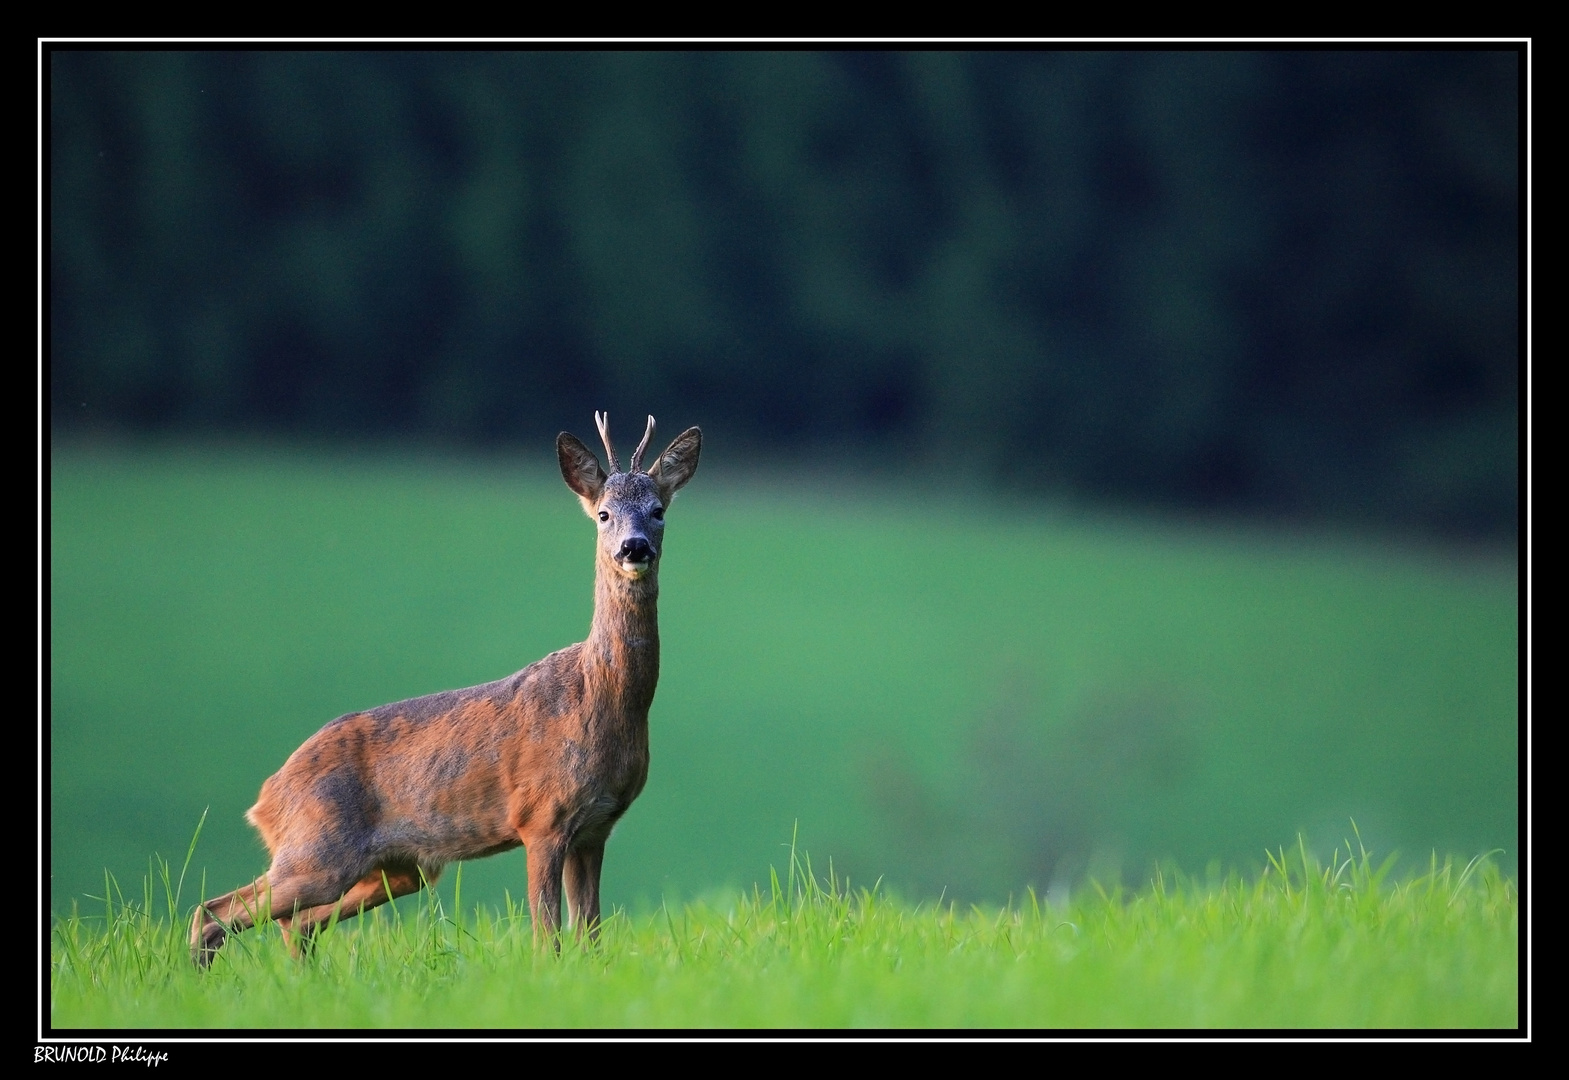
x,y
1274,281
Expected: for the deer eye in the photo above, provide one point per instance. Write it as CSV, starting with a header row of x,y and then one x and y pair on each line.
x,y
659,513
604,515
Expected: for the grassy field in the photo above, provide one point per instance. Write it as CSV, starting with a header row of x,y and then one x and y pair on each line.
x,y
1305,945
961,698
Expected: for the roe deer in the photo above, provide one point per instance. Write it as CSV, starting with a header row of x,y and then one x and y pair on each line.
x,y
549,758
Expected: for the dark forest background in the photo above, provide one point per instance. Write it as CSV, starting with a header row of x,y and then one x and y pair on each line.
x,y
1275,282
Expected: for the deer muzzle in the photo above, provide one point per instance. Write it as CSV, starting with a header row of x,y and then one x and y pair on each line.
x,y
636,554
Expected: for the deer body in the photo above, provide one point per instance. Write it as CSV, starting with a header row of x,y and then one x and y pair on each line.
x,y
548,758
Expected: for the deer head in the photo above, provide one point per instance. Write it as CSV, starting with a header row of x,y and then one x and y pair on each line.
x,y
629,506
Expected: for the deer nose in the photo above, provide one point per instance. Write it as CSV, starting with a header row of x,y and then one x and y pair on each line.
x,y
636,549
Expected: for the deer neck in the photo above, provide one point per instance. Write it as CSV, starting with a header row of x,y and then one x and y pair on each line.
x,y
622,650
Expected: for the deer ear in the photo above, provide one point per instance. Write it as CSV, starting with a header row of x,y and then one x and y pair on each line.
x,y
580,468
676,465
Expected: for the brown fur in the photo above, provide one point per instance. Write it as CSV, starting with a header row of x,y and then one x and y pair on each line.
x,y
549,758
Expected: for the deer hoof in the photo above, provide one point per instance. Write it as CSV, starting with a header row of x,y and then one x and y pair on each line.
x,y
207,937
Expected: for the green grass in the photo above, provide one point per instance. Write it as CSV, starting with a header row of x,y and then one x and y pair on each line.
x,y
954,698
960,696
1306,944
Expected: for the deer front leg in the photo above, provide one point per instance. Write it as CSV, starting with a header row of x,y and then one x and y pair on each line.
x,y
546,856
582,882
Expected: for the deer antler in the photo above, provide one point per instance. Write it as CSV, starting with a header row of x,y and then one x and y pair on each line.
x,y
637,455
602,420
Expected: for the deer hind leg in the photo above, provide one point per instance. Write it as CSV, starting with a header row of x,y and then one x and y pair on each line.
x,y
284,888
372,890
223,915
581,878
